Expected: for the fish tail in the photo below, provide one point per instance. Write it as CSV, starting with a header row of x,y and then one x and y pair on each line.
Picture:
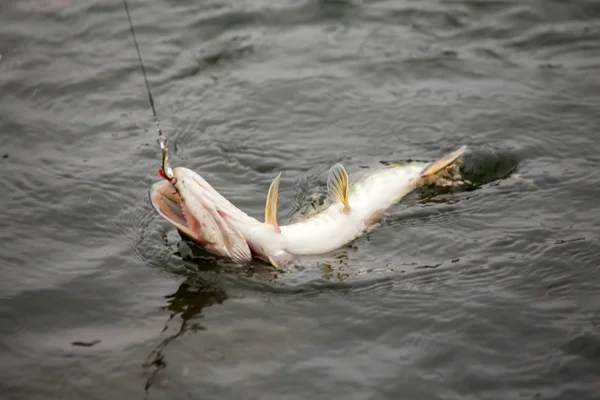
x,y
445,170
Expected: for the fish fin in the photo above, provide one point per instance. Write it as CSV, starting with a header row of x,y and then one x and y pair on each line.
x,y
272,202
234,240
230,241
281,260
337,184
443,162
240,252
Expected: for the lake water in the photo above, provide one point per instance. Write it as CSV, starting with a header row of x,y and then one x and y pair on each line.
x,y
492,293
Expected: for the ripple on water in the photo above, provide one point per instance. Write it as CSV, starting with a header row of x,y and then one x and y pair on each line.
x,y
489,293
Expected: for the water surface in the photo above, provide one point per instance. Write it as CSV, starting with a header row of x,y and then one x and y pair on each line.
x,y
484,294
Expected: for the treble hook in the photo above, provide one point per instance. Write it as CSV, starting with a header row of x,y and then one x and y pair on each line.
x,y
165,169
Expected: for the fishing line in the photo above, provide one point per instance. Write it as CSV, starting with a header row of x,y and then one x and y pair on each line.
x,y
165,171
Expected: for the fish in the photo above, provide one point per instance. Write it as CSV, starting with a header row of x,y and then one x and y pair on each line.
x,y
355,207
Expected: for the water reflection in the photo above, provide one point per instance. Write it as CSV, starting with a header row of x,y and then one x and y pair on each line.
x,y
185,306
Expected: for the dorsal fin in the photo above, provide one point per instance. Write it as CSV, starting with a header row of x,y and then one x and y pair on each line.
x,y
272,202
337,184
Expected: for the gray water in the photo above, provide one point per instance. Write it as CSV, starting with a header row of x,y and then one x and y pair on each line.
x,y
492,293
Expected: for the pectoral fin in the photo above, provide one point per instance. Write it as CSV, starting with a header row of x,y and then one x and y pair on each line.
x,y
230,241
337,184
281,260
443,162
272,202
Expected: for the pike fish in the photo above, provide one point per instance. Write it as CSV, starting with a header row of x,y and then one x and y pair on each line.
x,y
201,214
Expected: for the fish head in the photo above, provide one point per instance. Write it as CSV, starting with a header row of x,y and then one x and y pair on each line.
x,y
191,205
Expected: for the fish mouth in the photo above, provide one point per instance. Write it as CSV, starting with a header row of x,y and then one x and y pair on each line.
x,y
168,203
202,215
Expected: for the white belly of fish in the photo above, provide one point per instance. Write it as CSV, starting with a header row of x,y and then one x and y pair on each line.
x,y
322,233
368,198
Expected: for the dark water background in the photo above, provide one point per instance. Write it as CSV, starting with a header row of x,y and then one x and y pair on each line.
x,y
486,294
